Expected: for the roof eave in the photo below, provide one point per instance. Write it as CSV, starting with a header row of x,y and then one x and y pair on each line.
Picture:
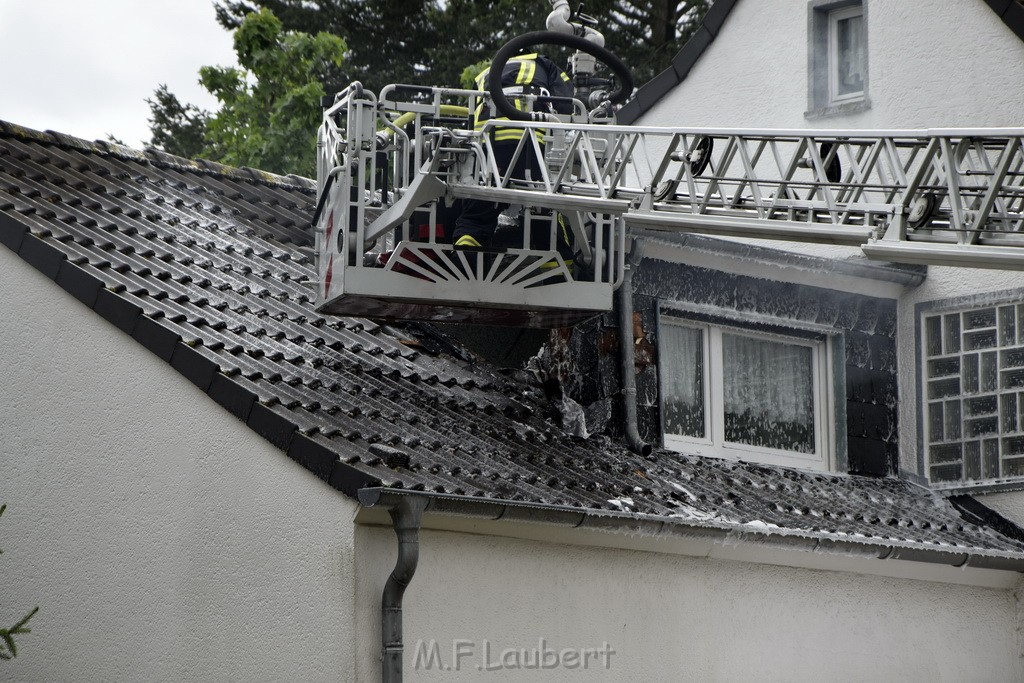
x,y
716,532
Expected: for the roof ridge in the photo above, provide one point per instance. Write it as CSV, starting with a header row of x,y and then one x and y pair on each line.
x,y
157,157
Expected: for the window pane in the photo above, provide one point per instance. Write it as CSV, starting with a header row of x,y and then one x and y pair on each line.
x,y
684,386
850,49
768,390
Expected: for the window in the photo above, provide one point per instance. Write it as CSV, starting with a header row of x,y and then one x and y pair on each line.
x,y
847,52
973,388
838,58
735,393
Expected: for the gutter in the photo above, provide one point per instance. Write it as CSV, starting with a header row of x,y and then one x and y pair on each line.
x,y
903,275
726,534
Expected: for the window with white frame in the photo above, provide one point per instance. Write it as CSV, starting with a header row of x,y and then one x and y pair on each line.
x,y
973,393
735,393
847,52
838,57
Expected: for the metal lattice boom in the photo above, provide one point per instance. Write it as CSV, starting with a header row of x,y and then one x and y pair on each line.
x,y
392,169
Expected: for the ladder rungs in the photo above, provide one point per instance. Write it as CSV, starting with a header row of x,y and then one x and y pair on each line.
x,y
544,199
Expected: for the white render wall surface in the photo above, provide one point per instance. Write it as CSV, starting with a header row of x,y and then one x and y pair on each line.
x,y
161,538
940,284
931,64
673,618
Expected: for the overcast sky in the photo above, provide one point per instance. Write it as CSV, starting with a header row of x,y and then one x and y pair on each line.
x,y
86,67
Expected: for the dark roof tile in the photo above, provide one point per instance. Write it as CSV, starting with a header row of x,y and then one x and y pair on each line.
x,y
196,363
118,310
79,282
44,257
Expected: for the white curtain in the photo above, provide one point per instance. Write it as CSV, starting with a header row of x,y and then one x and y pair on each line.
x,y
684,382
768,385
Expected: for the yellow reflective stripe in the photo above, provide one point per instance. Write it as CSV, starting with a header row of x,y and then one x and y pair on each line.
x,y
563,226
508,134
527,69
524,67
505,134
531,71
482,78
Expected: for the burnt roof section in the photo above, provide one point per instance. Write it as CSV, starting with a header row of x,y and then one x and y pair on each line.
x,y
1010,11
210,268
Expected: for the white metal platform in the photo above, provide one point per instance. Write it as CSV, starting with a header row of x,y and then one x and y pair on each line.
x,y
391,167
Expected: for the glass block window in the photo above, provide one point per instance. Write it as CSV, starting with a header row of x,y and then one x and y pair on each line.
x,y
973,374
734,393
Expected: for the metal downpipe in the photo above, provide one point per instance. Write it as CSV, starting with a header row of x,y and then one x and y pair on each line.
x,y
626,343
406,517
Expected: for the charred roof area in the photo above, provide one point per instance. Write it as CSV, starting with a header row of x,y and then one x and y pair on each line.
x,y
210,268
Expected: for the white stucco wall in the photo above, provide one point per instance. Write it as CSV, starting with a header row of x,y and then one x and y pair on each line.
x,y
931,64
941,283
1009,504
943,63
161,538
677,618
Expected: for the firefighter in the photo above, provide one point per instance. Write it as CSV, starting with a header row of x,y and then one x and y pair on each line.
x,y
527,74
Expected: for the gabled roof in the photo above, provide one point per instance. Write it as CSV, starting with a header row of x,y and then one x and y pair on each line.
x,y
210,268
1010,11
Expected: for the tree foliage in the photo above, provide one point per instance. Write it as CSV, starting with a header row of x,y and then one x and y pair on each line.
x,y
269,107
430,42
290,56
647,34
386,39
177,128
8,649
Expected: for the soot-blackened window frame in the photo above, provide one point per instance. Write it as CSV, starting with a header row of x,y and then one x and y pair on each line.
x,y
713,440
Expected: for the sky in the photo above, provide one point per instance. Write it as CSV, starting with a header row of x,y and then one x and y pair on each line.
x,y
86,67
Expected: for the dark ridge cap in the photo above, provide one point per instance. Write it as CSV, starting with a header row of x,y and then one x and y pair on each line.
x,y
1012,14
12,231
976,512
155,157
273,424
42,256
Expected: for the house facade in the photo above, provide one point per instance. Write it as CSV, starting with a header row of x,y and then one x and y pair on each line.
x,y
884,66
207,479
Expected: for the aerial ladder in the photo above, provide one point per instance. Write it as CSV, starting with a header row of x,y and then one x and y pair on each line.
x,y
393,168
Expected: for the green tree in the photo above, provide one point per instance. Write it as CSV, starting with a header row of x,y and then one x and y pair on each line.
x,y
8,650
269,107
386,39
430,42
177,128
647,34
